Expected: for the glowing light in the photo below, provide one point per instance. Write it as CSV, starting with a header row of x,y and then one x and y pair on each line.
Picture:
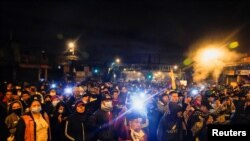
x,y
209,55
138,103
125,69
194,92
71,44
68,90
53,85
142,94
118,60
96,71
234,44
175,67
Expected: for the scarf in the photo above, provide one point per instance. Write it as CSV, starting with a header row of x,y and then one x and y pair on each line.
x,y
137,136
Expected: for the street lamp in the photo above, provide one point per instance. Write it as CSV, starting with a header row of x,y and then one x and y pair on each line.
x,y
175,67
117,60
71,47
72,57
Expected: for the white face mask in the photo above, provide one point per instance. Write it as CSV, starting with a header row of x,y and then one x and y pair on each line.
x,y
54,103
109,104
36,110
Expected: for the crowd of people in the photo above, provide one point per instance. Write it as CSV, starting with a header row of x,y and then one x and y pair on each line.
x,y
126,111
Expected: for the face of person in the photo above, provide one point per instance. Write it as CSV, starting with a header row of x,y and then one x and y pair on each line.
x,y
80,108
8,95
16,106
9,86
210,120
115,95
25,97
204,109
174,97
165,99
47,99
15,97
124,90
211,99
188,99
85,99
76,92
35,107
199,98
107,103
61,108
52,92
136,124
217,102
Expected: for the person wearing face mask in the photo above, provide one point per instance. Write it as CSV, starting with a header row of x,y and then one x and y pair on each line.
x,y
15,112
94,100
52,92
55,100
47,106
58,121
75,127
24,99
34,126
102,121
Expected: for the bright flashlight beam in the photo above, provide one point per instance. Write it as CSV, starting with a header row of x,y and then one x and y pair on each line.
x,y
68,90
142,94
53,86
129,110
194,92
138,104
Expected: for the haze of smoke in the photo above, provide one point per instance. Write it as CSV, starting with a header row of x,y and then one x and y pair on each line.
x,y
212,67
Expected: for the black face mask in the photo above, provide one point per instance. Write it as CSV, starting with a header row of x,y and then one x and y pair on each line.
x,y
17,111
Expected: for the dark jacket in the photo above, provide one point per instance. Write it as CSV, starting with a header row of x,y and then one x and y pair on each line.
x,y
102,126
170,128
12,119
57,127
75,127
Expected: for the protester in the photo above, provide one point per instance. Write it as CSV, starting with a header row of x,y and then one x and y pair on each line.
x,y
76,128
35,124
15,112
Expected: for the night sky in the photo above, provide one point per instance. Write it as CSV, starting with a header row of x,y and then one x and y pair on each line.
x,y
126,29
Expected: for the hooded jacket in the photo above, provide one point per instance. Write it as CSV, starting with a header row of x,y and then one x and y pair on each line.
x,y
170,126
75,127
12,119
